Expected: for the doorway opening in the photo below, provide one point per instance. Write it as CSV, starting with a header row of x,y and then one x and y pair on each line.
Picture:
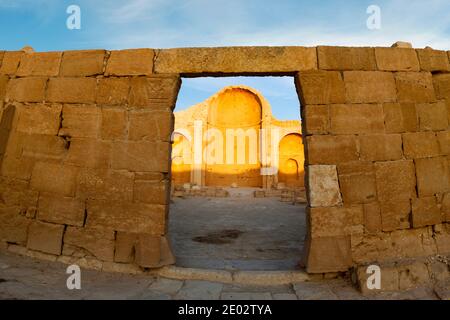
x,y
237,174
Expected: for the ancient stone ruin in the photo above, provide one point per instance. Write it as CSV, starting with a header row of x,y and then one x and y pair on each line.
x,y
85,152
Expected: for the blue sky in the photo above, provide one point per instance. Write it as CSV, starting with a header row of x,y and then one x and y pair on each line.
x,y
112,24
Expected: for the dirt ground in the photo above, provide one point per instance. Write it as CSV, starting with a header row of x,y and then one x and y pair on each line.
x,y
237,233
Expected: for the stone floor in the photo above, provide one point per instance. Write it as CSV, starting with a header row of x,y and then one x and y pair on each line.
x,y
27,278
237,233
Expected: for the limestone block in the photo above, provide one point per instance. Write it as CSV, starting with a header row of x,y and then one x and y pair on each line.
x,y
331,149
413,243
3,86
17,168
148,250
39,119
370,87
132,62
106,184
72,90
54,178
432,116
433,60
321,87
443,239
141,156
80,121
400,117
346,58
61,210
420,145
444,142
26,89
152,192
39,64
415,87
316,119
89,153
397,59
413,275
356,118
334,221
10,62
372,218
113,91
425,212
442,85
151,126
13,225
357,182
395,214
401,44
445,207
323,186
235,60
378,147
113,124
98,242
15,193
368,248
125,247
395,180
82,63
328,254
432,176
41,147
45,237
156,92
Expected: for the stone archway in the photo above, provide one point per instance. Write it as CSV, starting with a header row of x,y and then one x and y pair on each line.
x,y
181,159
291,160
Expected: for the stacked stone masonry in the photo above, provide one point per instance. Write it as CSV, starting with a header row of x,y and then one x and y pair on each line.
x,y
85,145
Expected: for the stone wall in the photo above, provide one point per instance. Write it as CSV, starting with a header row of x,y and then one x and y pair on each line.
x,y
85,150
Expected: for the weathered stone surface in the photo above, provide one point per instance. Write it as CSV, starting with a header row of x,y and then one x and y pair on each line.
x,y
113,91
141,156
132,62
72,90
113,124
13,225
10,62
415,87
443,239
45,237
328,254
395,214
444,142
369,87
151,126
153,192
105,184
148,250
17,168
395,180
155,93
432,176
331,149
235,60
39,119
125,247
442,85
432,116
89,153
335,221
80,121
41,147
321,87
377,147
420,145
433,60
346,58
316,119
372,217
26,89
356,118
82,63
61,210
357,182
397,59
127,216
39,64
425,212
98,242
445,207
400,117
323,186
54,178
